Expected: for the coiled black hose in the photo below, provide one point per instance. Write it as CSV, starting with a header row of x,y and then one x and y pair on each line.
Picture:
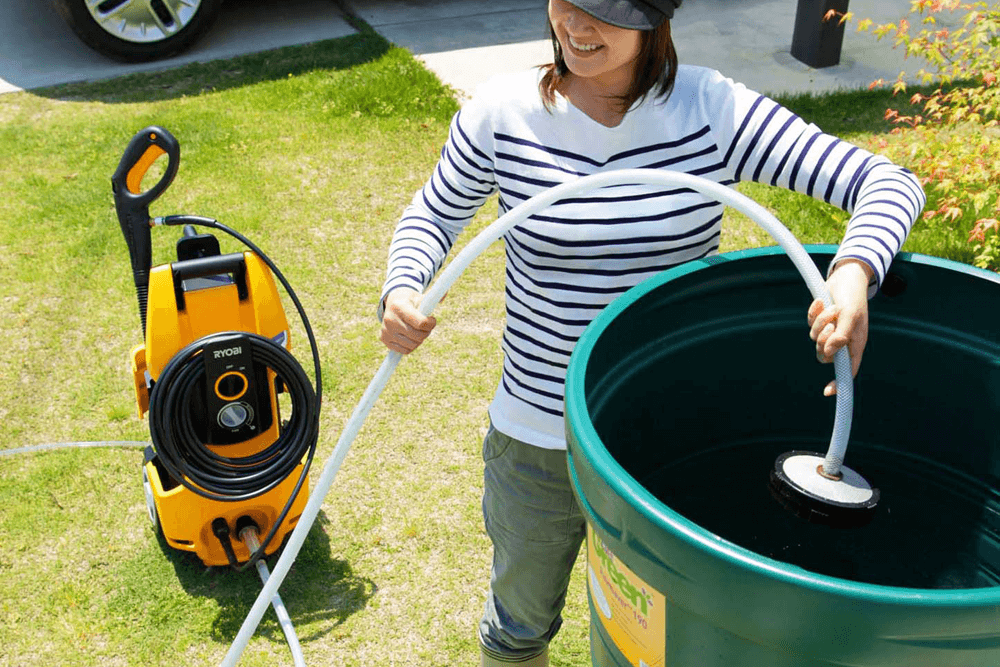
x,y
178,442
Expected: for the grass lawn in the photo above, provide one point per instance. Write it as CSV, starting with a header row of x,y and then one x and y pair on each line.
x,y
312,152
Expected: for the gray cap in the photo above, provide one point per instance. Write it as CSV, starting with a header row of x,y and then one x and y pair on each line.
x,y
633,14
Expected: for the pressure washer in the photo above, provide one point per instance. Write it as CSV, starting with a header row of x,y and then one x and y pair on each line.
x,y
226,477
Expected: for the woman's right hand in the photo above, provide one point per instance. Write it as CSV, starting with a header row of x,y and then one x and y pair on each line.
x,y
404,328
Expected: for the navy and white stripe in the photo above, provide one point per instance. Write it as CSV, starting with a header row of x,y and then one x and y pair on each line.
x,y
568,262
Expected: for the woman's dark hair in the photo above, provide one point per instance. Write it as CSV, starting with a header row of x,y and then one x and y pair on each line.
x,y
656,68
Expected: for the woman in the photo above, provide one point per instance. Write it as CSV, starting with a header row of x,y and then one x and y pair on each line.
x,y
614,98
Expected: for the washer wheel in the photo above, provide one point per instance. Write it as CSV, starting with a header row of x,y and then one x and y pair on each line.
x,y
139,30
154,517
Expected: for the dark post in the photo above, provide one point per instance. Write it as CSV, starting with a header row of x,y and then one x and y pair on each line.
x,y
816,41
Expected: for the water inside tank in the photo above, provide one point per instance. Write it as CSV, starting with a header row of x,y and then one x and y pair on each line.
x,y
933,529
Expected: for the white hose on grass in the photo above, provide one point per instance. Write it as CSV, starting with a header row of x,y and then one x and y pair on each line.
x,y
814,281
93,444
249,538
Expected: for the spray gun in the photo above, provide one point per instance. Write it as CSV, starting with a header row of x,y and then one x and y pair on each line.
x,y
132,203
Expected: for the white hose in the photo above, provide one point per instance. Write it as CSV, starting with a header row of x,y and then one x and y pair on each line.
x,y
784,238
249,537
110,444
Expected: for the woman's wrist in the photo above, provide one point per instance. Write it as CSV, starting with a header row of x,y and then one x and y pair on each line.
x,y
850,266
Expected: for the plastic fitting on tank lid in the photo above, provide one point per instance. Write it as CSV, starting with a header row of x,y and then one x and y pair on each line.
x,y
845,502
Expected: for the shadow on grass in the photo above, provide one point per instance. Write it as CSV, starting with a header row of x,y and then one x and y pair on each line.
x,y
197,78
320,591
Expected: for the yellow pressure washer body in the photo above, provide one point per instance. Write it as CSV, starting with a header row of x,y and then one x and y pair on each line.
x,y
211,310
241,400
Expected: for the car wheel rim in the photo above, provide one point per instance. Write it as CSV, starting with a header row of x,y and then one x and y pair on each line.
x,y
143,21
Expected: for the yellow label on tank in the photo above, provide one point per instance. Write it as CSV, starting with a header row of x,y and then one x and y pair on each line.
x,y
632,612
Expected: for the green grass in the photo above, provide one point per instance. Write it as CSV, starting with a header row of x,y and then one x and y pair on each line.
x,y
312,152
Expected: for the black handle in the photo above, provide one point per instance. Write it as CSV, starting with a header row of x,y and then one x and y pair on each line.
x,y
214,265
132,203
209,266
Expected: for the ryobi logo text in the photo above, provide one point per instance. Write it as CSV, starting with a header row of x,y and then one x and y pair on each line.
x,y
228,352
638,598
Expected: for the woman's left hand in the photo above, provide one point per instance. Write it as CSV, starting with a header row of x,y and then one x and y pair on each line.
x,y
846,321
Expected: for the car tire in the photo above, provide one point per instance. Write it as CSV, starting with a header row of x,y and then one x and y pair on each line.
x,y
139,30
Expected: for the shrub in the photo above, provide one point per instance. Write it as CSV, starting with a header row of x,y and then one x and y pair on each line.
x,y
954,144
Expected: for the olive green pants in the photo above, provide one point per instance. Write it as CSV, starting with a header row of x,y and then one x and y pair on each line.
x,y
537,528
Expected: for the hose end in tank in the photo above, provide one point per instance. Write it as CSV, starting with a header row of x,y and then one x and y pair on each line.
x,y
844,500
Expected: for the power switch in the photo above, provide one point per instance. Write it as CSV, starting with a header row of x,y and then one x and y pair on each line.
x,y
231,386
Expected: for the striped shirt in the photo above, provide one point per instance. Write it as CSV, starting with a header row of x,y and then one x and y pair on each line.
x,y
568,262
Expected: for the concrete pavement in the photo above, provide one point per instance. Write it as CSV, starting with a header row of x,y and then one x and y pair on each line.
x,y
464,41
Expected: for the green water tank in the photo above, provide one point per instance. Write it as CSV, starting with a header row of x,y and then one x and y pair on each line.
x,y
680,396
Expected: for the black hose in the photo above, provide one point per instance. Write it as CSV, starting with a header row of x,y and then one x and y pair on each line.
x,y
178,442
